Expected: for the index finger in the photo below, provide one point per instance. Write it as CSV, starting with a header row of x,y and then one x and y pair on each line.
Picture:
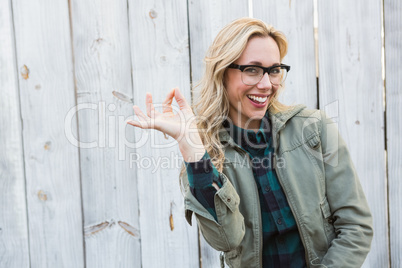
x,y
167,103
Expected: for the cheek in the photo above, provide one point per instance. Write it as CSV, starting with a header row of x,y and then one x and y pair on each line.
x,y
235,88
236,92
233,97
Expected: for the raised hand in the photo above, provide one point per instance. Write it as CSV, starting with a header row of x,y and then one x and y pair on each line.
x,y
168,122
181,125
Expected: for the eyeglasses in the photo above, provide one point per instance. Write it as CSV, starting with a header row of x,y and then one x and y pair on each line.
x,y
252,74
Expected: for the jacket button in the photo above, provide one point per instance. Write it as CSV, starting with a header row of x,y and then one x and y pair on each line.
x,y
279,221
228,199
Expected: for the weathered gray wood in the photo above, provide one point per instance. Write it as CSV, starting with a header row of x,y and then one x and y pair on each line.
x,y
102,239
351,90
393,61
206,19
296,20
14,250
102,64
160,61
46,83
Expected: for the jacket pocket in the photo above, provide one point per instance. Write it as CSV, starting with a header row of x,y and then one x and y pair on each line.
x,y
328,221
233,257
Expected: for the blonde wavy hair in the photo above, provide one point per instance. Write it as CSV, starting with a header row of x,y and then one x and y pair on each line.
x,y
212,106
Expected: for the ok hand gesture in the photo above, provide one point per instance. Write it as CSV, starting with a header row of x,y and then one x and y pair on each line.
x,y
176,125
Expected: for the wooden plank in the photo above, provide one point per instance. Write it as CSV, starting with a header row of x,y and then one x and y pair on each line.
x,y
349,40
46,82
206,19
296,20
14,250
160,61
102,64
101,240
393,60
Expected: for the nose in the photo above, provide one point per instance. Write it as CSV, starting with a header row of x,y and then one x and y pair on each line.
x,y
264,83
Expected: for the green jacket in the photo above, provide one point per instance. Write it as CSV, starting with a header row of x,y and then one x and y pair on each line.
x,y
318,177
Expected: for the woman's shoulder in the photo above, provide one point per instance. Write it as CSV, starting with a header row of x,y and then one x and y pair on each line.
x,y
295,112
308,114
299,118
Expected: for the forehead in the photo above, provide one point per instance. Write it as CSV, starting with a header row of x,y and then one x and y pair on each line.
x,y
260,51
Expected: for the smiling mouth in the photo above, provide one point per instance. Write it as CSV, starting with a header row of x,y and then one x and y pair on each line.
x,y
259,100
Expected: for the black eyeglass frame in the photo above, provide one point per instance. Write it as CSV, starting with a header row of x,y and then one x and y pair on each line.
x,y
265,69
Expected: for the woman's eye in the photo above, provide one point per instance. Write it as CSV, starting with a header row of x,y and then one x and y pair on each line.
x,y
251,70
275,71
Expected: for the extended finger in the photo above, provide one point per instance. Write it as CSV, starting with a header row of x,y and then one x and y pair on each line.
x,y
143,120
181,101
140,114
167,103
150,106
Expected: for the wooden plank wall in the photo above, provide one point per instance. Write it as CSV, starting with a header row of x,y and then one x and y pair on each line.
x,y
52,174
14,248
393,59
74,190
160,62
102,63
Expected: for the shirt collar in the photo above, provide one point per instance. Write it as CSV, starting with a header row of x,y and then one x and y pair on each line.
x,y
245,137
277,122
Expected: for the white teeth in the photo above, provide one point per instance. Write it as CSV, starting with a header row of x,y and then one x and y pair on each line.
x,y
259,99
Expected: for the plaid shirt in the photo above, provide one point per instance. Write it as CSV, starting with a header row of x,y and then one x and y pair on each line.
x,y
282,246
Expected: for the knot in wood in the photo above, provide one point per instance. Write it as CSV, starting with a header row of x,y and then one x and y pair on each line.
x,y
153,14
24,72
47,145
42,196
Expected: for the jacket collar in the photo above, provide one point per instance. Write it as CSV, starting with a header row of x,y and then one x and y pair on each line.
x,y
278,121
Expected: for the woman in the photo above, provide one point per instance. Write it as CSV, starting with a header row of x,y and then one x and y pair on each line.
x,y
270,185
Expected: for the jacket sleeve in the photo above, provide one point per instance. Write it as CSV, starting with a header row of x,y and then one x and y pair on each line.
x,y
350,212
201,175
225,233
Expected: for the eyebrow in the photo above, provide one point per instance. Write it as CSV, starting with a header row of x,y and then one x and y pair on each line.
x,y
260,64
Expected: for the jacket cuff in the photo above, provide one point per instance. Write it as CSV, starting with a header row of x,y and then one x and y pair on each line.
x,y
202,173
228,195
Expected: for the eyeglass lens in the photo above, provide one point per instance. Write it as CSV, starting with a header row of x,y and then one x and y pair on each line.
x,y
253,75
